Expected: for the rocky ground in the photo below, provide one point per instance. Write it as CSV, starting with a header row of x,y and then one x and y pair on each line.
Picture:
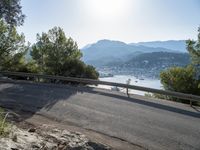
x,y
46,137
55,139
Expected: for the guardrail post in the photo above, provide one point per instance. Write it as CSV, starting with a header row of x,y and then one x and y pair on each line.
x,y
128,83
190,103
127,92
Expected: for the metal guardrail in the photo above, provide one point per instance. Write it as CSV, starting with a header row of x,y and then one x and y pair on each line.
x,y
184,96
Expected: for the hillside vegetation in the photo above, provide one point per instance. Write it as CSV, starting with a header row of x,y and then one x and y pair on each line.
x,y
53,53
185,79
159,60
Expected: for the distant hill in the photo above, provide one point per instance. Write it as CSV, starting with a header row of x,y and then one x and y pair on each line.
x,y
148,64
177,45
107,51
158,60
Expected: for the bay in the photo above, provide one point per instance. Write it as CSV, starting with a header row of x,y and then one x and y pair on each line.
x,y
144,82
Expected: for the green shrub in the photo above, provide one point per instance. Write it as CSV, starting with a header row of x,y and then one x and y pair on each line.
x,y
77,68
181,80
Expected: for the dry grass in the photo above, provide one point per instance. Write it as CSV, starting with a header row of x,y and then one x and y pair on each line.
x,y
4,125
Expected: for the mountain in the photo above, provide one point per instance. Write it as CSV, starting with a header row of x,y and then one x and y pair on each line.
x,y
177,45
86,46
159,59
148,64
107,51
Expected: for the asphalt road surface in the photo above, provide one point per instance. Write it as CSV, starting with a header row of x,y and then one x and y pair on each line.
x,y
152,124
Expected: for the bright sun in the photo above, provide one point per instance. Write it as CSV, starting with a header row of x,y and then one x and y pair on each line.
x,y
108,8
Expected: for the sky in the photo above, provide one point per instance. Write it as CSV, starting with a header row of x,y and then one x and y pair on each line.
x,y
88,21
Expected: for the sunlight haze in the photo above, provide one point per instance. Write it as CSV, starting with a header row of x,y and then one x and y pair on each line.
x,y
88,21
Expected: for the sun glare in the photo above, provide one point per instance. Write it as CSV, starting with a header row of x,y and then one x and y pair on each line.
x,y
108,8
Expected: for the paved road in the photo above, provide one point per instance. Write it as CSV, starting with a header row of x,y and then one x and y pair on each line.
x,y
153,124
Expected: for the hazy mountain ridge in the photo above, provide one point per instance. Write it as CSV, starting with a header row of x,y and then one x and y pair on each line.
x,y
137,58
107,51
177,45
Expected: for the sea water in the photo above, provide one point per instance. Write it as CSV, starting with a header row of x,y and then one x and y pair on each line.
x,y
144,82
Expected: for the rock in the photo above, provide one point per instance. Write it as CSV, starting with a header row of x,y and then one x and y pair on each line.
x,y
35,146
14,138
48,139
98,146
32,130
14,149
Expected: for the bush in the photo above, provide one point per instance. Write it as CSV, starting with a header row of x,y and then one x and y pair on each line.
x,y
77,68
181,80
55,54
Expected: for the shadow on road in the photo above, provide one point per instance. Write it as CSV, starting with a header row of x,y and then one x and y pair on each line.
x,y
28,99
151,104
